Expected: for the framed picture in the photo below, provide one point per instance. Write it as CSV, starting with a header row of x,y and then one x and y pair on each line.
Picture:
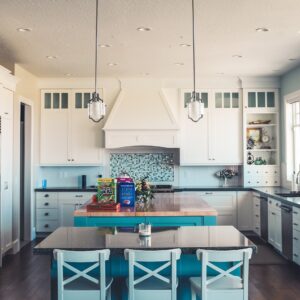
x,y
255,134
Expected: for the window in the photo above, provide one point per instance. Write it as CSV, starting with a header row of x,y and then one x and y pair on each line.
x,y
296,135
292,136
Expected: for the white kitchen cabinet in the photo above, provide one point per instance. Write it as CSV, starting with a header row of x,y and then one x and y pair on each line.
x,y
6,165
256,213
244,210
55,209
296,235
68,136
226,205
274,224
216,138
68,203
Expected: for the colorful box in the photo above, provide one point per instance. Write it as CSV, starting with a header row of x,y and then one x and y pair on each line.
x,y
126,194
107,190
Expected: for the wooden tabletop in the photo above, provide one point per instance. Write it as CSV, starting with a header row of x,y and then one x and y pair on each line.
x,y
164,204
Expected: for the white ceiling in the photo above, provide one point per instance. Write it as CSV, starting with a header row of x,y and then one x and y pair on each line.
x,y
65,28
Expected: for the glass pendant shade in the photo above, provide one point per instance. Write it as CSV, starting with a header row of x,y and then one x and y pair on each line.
x,y
195,109
96,108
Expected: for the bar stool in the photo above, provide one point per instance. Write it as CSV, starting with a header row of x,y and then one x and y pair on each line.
x,y
74,278
151,284
224,285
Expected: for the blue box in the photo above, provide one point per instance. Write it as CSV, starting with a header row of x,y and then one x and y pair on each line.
x,y
126,194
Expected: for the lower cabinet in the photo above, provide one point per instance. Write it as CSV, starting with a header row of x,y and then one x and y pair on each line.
x,y
226,205
296,235
244,211
274,224
55,209
256,213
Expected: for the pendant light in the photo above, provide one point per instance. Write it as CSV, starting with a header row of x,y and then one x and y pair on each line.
x,y
96,106
196,105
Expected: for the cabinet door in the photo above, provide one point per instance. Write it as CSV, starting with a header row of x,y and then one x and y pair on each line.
x,y
54,128
225,135
245,211
194,147
6,102
225,204
278,231
66,212
86,136
6,150
271,225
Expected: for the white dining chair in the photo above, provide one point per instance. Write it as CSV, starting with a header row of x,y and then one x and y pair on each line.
x,y
78,283
224,285
152,285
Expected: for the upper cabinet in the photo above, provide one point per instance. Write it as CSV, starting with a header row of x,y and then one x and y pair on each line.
x,y
68,136
216,138
261,138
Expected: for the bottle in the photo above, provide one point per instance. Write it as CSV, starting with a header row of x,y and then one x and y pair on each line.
x,y
83,181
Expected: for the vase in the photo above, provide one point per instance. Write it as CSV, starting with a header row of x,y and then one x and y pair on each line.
x,y
225,184
142,202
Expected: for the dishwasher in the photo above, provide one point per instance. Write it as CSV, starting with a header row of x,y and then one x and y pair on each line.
x,y
264,218
287,231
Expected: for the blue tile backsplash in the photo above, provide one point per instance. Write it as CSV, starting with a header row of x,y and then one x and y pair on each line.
x,y
159,167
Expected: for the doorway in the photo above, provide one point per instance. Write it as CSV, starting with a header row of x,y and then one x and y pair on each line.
x,y
25,172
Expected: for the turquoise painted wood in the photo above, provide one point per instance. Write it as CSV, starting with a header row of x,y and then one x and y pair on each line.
x,y
117,267
81,284
152,284
161,221
225,285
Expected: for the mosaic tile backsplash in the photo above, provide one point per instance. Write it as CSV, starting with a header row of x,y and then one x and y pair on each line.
x,y
159,167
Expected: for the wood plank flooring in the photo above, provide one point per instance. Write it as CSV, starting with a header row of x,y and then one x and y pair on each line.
x,y
26,277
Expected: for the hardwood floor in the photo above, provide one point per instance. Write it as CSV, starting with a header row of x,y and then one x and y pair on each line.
x,y
26,277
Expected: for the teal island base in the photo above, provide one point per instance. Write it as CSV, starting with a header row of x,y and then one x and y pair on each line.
x,y
161,221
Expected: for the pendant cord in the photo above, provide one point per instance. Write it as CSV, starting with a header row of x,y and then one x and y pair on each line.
x,y
96,47
194,59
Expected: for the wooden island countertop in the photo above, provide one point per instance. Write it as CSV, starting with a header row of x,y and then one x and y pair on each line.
x,y
164,204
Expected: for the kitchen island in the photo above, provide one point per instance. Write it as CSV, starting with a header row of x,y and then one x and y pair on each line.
x,y
188,239
166,209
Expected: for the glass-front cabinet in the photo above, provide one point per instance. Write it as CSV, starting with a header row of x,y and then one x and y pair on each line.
x,y
261,138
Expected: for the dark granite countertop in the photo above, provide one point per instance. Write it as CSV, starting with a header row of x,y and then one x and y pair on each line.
x,y
187,238
67,189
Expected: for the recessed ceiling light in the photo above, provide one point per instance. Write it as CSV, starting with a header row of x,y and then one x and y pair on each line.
x,y
220,73
111,64
179,64
104,45
51,56
68,74
145,74
237,56
185,45
24,29
292,59
262,29
143,29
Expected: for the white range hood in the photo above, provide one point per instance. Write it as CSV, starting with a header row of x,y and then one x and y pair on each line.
x,y
141,116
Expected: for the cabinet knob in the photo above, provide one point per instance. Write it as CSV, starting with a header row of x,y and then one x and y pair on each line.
x,y
273,214
295,255
295,224
72,159
46,195
257,205
46,214
257,216
208,193
295,239
294,212
46,203
78,196
46,226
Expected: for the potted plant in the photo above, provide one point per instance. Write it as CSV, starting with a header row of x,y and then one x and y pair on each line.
x,y
226,174
143,192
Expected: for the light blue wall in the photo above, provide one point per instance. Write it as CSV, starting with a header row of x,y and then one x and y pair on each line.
x,y
290,82
67,176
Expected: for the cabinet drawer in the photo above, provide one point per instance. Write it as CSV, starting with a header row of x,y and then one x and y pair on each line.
x,y
82,196
46,203
256,229
296,246
256,218
46,225
46,196
47,214
296,214
296,225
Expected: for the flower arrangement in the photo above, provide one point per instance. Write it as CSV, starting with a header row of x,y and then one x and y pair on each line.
x,y
143,190
226,174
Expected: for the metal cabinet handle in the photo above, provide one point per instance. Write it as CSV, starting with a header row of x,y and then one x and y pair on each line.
x,y
256,227
257,216
257,205
273,214
294,212
46,195
46,214
46,203
296,224
46,225
72,159
78,196
295,239
296,255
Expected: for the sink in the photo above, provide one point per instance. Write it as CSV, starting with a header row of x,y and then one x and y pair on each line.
x,y
290,194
